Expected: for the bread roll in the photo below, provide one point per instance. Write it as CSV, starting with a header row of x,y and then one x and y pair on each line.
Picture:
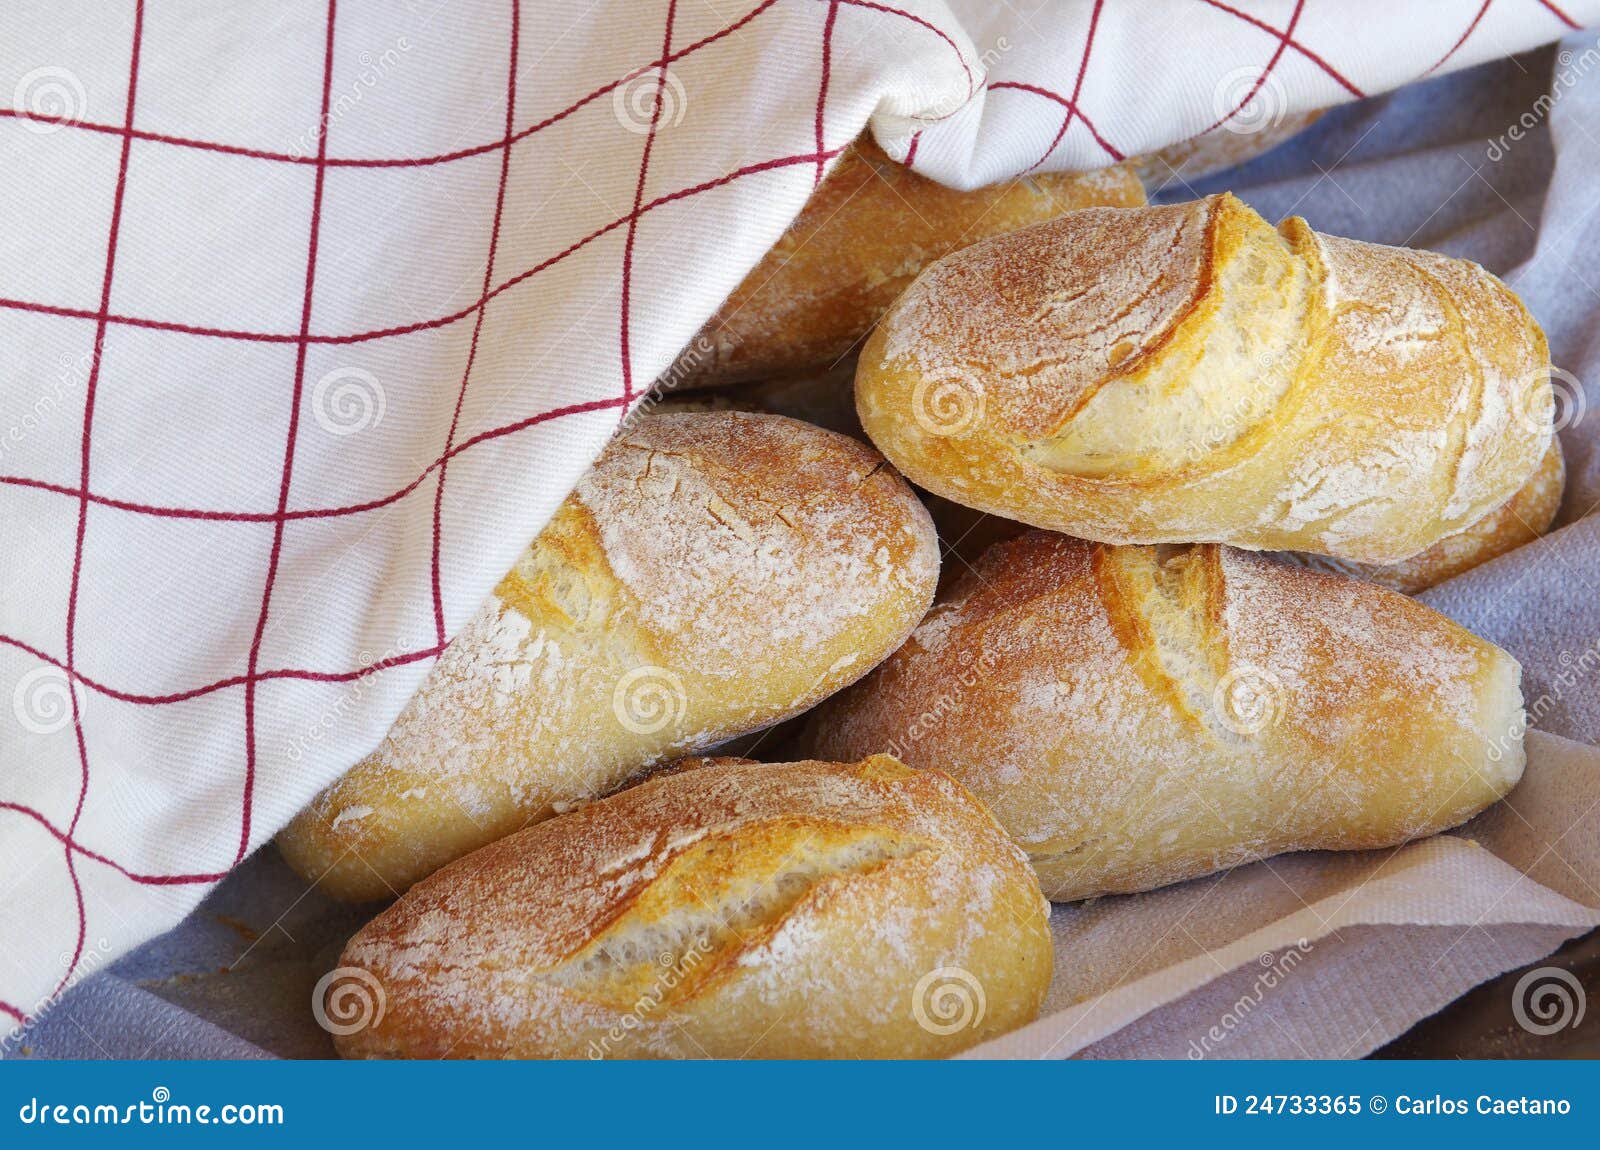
x,y
1190,373
1519,520
865,232
733,910
1136,716
713,574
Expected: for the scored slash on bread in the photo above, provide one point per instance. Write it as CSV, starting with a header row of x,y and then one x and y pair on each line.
x,y
860,239
714,574
1191,373
1136,716
1128,713
729,910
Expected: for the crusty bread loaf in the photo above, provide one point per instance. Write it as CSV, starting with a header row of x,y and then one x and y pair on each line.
x,y
965,534
1136,716
713,574
1190,373
1519,520
732,910
865,232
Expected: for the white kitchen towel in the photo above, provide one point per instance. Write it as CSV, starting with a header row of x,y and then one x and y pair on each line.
x,y
312,312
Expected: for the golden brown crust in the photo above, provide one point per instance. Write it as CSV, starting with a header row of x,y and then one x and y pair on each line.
x,y
861,238
1518,521
796,910
1191,373
965,534
1135,716
713,574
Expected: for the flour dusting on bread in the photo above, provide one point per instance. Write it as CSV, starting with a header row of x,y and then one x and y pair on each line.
x,y
1191,373
981,320
1135,716
728,555
789,907
713,574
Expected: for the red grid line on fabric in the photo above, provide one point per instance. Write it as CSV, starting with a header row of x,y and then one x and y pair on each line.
x,y
314,512
1285,40
1556,11
1077,87
477,327
139,699
1277,54
292,435
437,321
1472,27
1456,47
1057,97
822,85
75,847
624,348
70,844
97,358
380,162
1333,73
232,680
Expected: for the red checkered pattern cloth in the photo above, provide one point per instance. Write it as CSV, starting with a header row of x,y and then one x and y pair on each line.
x,y
312,312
